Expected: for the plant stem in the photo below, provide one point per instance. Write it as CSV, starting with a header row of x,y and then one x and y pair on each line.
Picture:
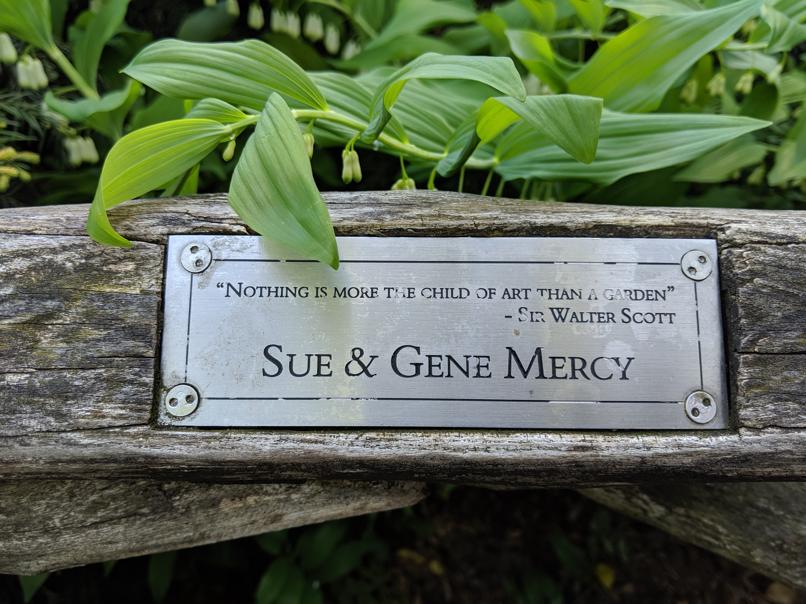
x,y
487,182
57,56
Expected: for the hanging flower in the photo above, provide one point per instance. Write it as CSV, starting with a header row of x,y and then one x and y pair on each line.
x,y
332,41
8,53
255,18
313,28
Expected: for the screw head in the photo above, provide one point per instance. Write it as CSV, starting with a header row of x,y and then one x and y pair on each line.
x,y
696,265
181,400
196,257
700,407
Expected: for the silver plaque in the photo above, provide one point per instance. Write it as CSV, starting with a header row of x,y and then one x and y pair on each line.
x,y
444,332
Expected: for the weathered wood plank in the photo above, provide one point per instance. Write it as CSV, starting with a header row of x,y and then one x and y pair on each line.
x,y
49,525
91,315
760,526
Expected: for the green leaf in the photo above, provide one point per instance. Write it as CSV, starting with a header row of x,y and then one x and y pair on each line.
x,y
29,20
633,71
537,55
460,147
652,8
790,159
271,584
273,189
592,13
401,48
89,44
345,559
218,110
272,543
30,584
628,144
207,24
543,12
415,16
748,60
145,160
497,72
317,543
240,73
721,163
80,110
569,121
762,101
784,33
160,574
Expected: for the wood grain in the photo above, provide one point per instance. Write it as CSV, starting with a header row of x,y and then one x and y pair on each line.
x,y
52,524
760,526
79,327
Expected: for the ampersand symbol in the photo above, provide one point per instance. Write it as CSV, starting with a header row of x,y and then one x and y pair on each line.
x,y
357,355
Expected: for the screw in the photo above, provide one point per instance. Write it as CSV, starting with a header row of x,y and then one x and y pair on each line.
x,y
181,400
696,265
700,407
196,257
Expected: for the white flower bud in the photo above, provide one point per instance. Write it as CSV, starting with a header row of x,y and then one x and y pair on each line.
x,y
350,50
292,25
355,166
5,181
73,148
278,21
233,8
745,83
346,167
716,85
332,41
24,72
255,18
210,3
688,94
313,28
309,141
88,151
8,54
38,74
229,151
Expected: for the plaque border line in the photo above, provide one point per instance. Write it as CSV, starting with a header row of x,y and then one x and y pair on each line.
x,y
440,399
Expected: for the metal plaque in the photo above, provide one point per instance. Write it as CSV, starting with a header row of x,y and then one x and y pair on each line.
x,y
444,332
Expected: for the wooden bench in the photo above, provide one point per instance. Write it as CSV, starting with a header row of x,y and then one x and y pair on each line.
x,y
79,368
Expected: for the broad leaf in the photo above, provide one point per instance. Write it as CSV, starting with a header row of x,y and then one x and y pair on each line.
x,y
543,12
497,72
592,13
273,189
89,44
633,71
160,574
783,32
460,147
80,110
721,163
29,20
145,160
415,16
218,110
628,144
569,121
537,55
652,8
790,160
241,73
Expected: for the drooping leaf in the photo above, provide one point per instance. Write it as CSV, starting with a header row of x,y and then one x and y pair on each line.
x,y
30,585
207,24
537,55
543,12
29,20
569,121
274,580
762,101
497,72
652,8
316,545
160,574
80,110
415,16
460,147
722,162
748,60
628,144
145,160
790,159
241,73
90,42
273,189
633,71
782,33
592,13
218,110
